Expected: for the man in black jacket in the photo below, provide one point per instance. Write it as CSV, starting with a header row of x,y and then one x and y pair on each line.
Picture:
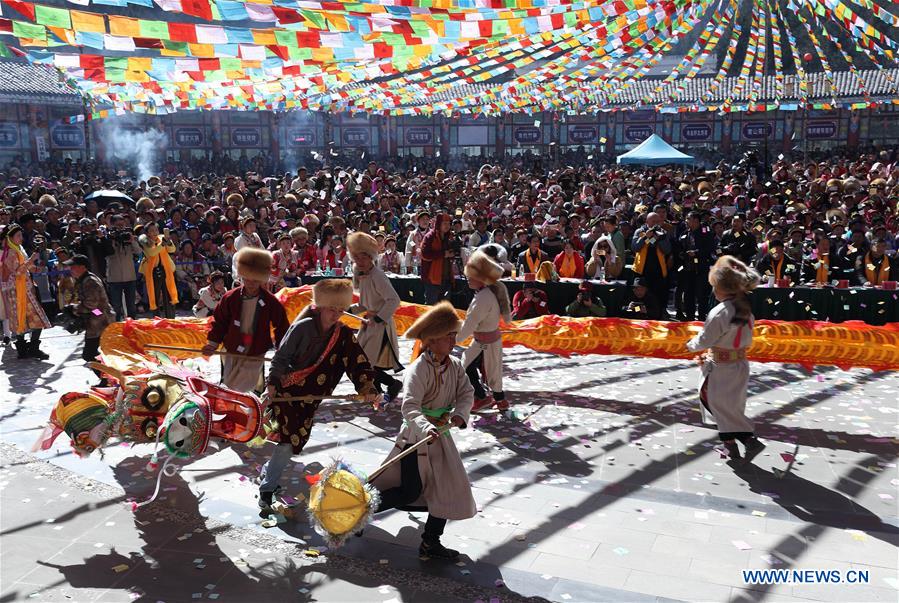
x,y
738,242
697,251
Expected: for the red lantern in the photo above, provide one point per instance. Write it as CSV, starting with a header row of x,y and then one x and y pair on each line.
x,y
807,57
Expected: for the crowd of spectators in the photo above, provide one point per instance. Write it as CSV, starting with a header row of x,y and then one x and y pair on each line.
x,y
169,241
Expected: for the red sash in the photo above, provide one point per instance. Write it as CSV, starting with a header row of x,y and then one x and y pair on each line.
x,y
297,376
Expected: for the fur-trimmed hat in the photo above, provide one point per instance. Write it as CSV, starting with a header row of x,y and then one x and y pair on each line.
x,y
835,215
145,204
50,200
481,267
704,187
254,263
297,231
333,293
440,320
359,243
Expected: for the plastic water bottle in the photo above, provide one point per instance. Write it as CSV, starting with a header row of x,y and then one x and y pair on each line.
x,y
349,269
415,263
318,266
601,273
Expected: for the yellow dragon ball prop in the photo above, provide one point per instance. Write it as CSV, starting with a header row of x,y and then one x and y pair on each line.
x,y
340,503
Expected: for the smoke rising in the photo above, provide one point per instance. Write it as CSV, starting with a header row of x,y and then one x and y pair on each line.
x,y
294,156
138,146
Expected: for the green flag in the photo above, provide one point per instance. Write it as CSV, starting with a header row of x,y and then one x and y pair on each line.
x,y
29,30
54,17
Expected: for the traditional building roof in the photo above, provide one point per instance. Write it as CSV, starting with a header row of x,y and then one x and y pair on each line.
x,y
878,84
24,82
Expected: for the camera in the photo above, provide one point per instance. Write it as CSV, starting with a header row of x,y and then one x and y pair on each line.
x,y
72,322
122,237
455,246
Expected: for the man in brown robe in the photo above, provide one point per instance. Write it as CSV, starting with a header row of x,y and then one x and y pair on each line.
x,y
311,359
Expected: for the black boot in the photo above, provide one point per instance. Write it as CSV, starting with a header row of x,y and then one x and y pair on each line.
x,y
393,389
432,549
22,348
733,453
35,350
266,500
753,447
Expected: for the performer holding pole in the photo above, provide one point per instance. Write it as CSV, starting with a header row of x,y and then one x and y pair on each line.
x,y
314,354
490,303
436,395
726,334
378,300
243,322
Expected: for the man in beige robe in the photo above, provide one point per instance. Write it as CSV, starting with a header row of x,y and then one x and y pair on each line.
x,y
436,396
378,300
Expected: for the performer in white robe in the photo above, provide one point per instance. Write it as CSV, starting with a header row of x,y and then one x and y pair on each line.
x,y
726,334
436,395
378,300
490,303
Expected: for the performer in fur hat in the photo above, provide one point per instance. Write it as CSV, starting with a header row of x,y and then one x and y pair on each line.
x,y
436,394
726,334
490,303
314,354
243,322
377,302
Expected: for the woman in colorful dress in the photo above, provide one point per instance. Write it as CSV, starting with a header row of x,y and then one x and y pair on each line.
x,y
23,311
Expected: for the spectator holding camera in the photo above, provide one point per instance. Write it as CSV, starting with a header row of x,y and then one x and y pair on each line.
x,y
584,306
121,248
605,263
652,261
640,303
93,307
91,243
529,302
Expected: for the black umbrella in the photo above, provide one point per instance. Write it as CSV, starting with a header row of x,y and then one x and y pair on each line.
x,y
106,196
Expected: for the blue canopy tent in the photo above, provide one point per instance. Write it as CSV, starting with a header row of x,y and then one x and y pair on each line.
x,y
654,151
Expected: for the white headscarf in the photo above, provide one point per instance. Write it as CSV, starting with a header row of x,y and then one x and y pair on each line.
x,y
613,254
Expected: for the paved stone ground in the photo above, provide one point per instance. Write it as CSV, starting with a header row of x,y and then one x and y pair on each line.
x,y
602,486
